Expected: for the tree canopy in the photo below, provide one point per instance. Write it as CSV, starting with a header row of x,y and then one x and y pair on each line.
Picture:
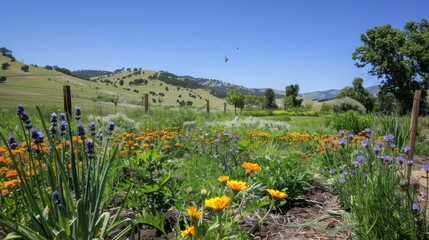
x,y
400,58
270,99
291,98
236,98
358,93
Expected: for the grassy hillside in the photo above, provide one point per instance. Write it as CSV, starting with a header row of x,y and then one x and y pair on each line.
x,y
45,87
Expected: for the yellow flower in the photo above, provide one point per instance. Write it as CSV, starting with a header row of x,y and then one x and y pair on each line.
x,y
250,167
193,213
189,231
236,186
217,203
277,194
223,179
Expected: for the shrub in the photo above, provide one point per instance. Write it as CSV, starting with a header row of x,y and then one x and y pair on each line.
x,y
326,108
346,104
351,121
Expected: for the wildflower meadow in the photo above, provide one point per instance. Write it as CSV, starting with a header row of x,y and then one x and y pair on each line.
x,y
205,176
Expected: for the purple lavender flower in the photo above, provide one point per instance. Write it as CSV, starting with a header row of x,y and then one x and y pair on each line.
x,y
63,127
92,128
425,167
346,172
342,132
332,171
410,162
365,143
100,136
20,109
359,158
369,135
407,149
78,113
416,207
226,132
80,130
34,133
392,145
389,137
342,141
367,130
52,130
24,117
89,148
11,142
376,148
351,135
62,116
400,159
342,180
56,198
379,143
54,119
111,128
37,137
353,173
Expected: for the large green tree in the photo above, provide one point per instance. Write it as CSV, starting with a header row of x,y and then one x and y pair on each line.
x,y
358,93
399,58
236,98
270,99
291,98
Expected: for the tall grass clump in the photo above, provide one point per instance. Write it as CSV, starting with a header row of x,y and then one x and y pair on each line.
x,y
60,182
351,120
396,125
373,179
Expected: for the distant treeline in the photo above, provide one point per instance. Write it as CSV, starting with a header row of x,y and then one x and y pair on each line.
x,y
87,74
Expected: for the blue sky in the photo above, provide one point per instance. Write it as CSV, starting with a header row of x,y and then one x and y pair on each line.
x,y
306,42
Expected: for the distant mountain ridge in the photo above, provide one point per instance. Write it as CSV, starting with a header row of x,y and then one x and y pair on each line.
x,y
332,93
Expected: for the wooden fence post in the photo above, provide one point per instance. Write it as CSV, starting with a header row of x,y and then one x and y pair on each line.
x,y
414,122
224,108
146,102
208,105
67,99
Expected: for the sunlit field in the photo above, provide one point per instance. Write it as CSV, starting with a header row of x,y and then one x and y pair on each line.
x,y
201,176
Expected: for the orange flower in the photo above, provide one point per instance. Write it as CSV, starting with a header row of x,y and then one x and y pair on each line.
x,y
11,174
11,183
189,231
217,203
277,194
223,179
236,186
193,213
250,167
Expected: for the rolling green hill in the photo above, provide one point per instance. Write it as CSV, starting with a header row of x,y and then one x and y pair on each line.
x,y
40,86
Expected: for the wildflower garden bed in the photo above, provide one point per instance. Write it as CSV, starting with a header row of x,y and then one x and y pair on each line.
x,y
73,178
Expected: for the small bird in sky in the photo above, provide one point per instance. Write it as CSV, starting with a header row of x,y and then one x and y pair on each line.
x,y
226,59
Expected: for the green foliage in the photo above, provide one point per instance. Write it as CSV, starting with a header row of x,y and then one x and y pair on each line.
x,y
347,104
270,99
399,58
62,202
285,173
291,96
236,98
326,108
377,188
3,79
5,66
351,120
396,125
359,93
25,68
